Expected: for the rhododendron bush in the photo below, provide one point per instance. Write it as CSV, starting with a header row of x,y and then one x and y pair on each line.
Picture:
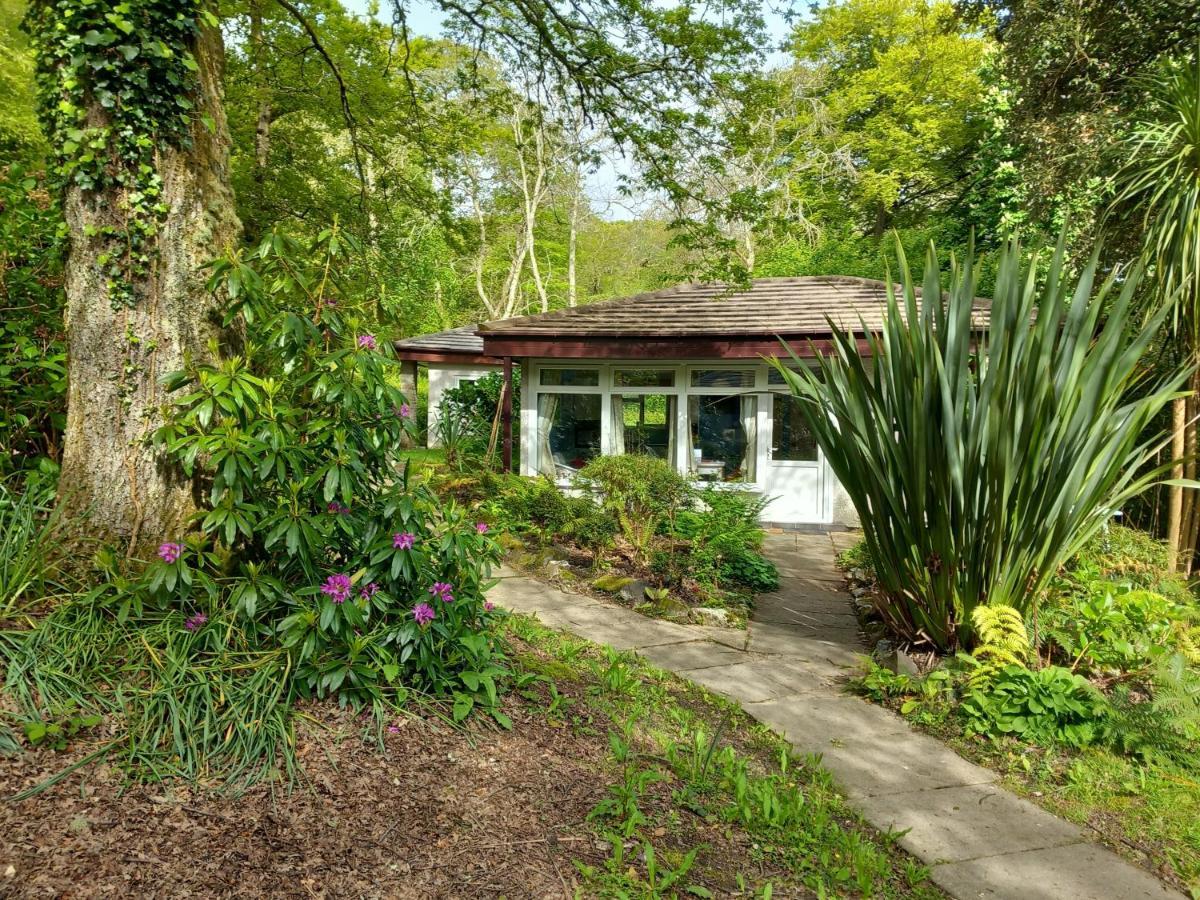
x,y
314,568
313,532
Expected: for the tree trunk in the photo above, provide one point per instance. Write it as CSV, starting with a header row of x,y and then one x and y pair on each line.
x,y
262,125
1175,497
115,486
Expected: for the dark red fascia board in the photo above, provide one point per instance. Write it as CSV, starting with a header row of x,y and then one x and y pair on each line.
x,y
447,356
656,347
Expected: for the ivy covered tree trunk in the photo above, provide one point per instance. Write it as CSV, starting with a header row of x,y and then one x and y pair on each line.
x,y
142,223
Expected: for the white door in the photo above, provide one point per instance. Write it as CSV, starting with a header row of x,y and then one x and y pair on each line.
x,y
796,473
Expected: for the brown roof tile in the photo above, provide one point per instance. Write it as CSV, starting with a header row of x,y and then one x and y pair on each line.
x,y
771,306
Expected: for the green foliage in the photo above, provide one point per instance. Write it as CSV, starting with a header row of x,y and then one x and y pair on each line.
x,y
725,540
643,494
1000,641
536,506
1044,706
474,406
857,557
33,357
1112,628
1164,726
116,86
318,568
923,433
28,539
56,733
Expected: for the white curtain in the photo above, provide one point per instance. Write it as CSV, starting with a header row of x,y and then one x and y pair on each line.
x,y
547,409
693,431
750,424
617,439
671,431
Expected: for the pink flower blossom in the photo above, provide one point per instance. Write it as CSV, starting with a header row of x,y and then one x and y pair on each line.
x,y
366,342
481,527
336,509
423,613
170,552
443,591
403,540
338,588
405,411
369,591
196,622
488,605
393,729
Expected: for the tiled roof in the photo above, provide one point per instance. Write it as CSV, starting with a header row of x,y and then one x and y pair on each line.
x,y
456,340
771,306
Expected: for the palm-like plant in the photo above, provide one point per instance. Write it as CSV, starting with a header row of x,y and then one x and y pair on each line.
x,y
981,457
1161,180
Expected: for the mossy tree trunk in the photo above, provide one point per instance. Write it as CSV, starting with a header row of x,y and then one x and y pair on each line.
x,y
115,485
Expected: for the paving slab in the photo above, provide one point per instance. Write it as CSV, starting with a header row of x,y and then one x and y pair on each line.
x,y
691,656
1076,871
746,682
960,823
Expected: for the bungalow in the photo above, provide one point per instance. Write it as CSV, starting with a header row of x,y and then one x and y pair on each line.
x,y
679,374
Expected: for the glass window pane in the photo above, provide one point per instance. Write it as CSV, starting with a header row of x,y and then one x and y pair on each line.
x,y
723,378
644,378
571,377
774,379
644,424
792,439
568,432
724,440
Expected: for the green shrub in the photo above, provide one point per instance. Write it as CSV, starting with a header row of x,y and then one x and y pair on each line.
x,y
1112,627
977,475
472,407
316,570
642,493
1044,706
725,539
27,540
537,506
857,557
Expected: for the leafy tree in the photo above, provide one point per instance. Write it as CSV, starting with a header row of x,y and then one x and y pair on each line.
x,y
1161,183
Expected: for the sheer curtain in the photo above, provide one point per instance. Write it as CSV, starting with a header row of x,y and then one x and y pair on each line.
x,y
749,412
671,431
547,409
617,440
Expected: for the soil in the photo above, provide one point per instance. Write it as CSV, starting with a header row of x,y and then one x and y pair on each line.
x,y
435,812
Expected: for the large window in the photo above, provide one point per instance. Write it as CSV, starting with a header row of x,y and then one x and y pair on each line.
x,y
644,424
568,432
723,433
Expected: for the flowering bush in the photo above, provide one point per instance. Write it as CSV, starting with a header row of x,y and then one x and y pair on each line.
x,y
314,539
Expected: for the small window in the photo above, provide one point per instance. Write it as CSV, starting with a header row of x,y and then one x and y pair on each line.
x,y
792,440
644,378
723,378
571,377
774,379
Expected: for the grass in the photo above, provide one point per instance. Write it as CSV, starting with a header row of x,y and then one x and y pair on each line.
x,y
681,757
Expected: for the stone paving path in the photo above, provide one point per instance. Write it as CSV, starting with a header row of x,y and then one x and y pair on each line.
x,y
980,840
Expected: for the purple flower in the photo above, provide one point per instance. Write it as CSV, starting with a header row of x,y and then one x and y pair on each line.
x,y
481,527
403,540
488,605
369,591
366,342
423,613
393,729
170,552
196,622
338,587
405,410
442,590
336,509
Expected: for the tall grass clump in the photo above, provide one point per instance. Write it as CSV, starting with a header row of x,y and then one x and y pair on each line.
x,y
27,539
981,452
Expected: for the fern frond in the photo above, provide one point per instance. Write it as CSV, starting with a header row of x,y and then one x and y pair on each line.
x,y
1002,641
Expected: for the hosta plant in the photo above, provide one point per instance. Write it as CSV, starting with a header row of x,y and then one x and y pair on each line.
x,y
982,451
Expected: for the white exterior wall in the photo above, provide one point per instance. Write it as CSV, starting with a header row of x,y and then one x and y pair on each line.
x,y
826,502
442,377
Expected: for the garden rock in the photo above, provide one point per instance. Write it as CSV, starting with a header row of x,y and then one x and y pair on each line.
x,y
711,615
633,592
611,583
